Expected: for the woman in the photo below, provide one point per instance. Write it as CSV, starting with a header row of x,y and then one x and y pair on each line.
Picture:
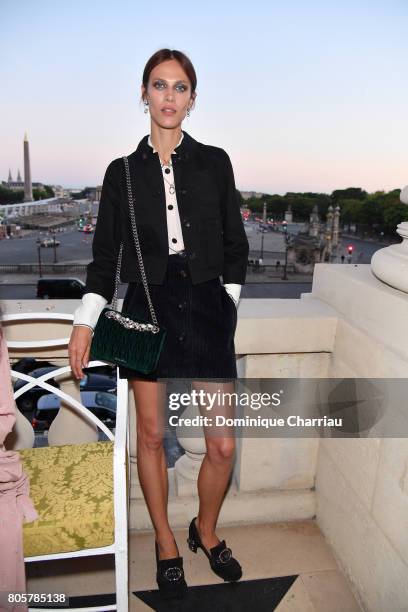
x,y
191,232
15,501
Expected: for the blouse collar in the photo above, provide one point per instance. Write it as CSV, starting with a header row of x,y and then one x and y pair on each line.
x,y
149,142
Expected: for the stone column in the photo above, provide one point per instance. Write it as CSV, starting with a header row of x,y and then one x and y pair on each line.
x,y
314,222
28,191
336,223
390,264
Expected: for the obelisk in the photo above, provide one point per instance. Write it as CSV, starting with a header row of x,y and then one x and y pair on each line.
x,y
28,190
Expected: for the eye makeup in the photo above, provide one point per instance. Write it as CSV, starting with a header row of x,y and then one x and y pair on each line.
x,y
180,86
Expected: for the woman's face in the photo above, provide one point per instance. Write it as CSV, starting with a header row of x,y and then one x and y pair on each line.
x,y
168,93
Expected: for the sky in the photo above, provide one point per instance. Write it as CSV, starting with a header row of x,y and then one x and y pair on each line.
x,y
303,95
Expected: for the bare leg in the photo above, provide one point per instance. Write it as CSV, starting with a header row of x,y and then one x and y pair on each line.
x,y
150,400
216,467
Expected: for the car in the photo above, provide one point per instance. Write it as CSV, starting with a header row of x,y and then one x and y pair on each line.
x,y
49,242
28,364
27,402
64,288
101,403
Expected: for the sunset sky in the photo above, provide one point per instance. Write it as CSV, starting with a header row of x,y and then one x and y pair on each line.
x,y
303,95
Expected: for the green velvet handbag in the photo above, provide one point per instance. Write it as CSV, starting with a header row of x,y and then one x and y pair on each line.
x,y
119,338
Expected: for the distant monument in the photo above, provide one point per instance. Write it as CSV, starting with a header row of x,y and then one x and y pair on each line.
x,y
318,243
17,185
331,234
28,189
314,222
289,214
27,185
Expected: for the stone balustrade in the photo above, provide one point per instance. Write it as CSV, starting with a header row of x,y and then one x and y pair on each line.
x,y
351,325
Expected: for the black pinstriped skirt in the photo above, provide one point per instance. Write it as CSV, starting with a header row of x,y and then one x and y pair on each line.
x,y
200,321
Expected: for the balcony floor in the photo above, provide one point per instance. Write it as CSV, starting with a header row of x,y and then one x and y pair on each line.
x,y
295,548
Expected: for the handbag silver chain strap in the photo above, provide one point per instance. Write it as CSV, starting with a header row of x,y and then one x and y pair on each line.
x,y
126,321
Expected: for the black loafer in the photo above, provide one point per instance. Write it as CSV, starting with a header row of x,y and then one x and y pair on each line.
x,y
170,576
220,556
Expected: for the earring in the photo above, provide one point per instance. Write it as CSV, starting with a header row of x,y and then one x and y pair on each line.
x,y
188,112
146,110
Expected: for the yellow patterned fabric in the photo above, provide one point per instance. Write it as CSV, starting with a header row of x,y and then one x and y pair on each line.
x,y
72,490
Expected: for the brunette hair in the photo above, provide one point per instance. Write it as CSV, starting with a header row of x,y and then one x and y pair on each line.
x,y
163,55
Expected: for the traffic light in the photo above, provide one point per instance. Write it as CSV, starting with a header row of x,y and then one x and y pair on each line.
x,y
350,249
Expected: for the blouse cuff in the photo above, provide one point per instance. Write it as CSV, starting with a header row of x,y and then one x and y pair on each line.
x,y
89,310
234,290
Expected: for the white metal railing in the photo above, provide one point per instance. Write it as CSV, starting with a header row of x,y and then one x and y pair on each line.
x,y
121,454
71,401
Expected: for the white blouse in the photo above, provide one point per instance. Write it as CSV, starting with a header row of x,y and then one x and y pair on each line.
x,y
174,232
92,303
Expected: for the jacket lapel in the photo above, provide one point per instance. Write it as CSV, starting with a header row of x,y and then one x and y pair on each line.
x,y
148,169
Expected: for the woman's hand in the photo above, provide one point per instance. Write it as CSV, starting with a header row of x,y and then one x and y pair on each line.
x,y
79,348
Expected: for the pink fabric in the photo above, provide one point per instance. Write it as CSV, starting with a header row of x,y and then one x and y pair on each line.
x,y
15,503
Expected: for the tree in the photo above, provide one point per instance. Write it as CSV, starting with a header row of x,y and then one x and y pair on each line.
x,y
351,193
350,210
9,196
49,191
394,215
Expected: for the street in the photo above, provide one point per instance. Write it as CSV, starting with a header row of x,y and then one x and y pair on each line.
x,y
76,246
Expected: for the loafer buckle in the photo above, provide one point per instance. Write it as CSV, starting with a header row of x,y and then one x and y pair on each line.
x,y
225,555
173,574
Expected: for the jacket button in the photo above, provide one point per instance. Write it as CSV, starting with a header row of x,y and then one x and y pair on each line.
x,y
187,223
183,191
182,336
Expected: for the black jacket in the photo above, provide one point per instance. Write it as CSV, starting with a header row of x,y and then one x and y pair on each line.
x,y
212,227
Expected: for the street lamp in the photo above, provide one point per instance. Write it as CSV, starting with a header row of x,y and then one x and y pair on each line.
x,y
288,240
39,259
54,246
